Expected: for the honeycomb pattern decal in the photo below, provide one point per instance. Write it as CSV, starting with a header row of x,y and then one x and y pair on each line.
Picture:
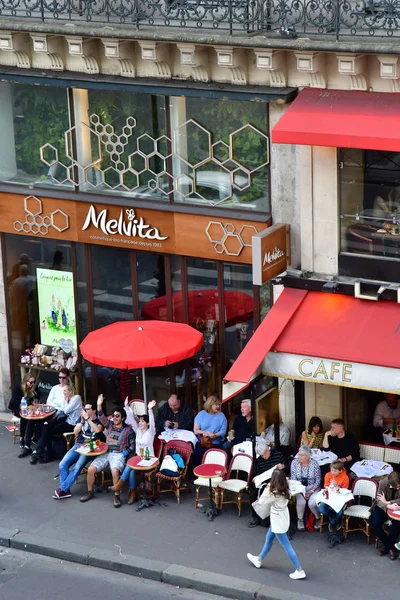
x,y
154,156
227,240
35,222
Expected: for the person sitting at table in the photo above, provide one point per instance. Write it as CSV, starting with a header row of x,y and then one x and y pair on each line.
x,y
385,209
145,432
267,458
63,422
336,478
56,395
242,428
284,432
26,389
120,438
210,427
388,497
314,434
342,443
306,470
386,412
174,415
88,426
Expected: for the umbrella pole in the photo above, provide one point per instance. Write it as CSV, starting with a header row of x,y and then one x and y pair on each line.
x,y
144,389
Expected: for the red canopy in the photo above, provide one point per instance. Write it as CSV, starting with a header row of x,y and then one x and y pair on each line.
x,y
141,344
203,305
341,118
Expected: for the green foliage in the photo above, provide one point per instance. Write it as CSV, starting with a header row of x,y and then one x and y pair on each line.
x,y
40,117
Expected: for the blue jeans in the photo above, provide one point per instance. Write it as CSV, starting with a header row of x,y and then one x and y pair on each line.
x,y
67,477
333,516
129,475
284,542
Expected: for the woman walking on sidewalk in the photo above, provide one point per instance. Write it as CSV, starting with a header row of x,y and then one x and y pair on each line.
x,y
273,502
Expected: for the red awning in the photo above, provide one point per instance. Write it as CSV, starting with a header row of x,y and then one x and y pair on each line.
x,y
245,367
343,119
329,326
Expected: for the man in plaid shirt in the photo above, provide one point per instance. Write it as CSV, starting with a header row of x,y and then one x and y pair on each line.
x,y
121,444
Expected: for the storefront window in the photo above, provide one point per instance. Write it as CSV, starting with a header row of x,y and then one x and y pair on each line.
x,y
33,121
239,309
370,202
32,317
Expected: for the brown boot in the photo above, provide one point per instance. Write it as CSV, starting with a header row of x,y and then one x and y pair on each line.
x,y
118,487
132,496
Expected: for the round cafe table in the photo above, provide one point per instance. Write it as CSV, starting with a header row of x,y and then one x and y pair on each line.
x,y
39,416
394,514
84,449
210,471
138,463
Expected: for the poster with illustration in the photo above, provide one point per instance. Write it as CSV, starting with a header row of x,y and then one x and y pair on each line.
x,y
56,308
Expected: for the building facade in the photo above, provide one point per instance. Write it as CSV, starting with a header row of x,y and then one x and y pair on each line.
x,y
139,156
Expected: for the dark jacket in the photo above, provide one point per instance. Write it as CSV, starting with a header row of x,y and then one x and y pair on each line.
x,y
17,395
184,417
391,494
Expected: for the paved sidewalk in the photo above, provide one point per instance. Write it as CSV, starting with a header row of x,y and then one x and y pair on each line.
x,y
179,536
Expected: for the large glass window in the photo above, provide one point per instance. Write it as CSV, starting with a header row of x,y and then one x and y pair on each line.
x,y
33,122
370,202
171,149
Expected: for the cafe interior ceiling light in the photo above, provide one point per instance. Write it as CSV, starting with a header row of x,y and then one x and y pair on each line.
x,y
210,165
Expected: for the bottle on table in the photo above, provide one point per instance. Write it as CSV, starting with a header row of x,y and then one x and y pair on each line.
x,y
147,454
91,444
24,410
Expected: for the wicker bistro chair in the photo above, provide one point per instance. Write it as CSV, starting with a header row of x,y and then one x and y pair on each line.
x,y
372,451
214,456
239,463
361,512
176,484
392,455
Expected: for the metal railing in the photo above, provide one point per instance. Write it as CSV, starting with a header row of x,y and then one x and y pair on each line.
x,y
292,18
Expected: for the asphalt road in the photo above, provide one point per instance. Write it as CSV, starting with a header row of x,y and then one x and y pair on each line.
x,y
31,577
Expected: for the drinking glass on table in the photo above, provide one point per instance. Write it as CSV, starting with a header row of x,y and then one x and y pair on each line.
x,y
141,452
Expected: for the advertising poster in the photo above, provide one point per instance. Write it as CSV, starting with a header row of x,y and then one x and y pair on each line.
x,y
56,308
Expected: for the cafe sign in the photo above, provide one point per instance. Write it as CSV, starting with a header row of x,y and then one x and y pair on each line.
x,y
336,372
271,250
127,223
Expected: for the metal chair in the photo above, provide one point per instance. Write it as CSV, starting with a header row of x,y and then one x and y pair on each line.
x,y
16,422
180,482
361,487
214,456
371,451
239,463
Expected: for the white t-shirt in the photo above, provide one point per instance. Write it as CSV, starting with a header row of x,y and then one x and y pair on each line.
x,y
56,397
144,439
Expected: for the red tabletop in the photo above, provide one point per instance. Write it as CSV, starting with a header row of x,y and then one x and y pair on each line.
x,y
40,415
133,463
394,514
102,448
209,470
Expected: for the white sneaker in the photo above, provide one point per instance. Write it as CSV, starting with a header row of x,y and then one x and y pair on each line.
x,y
297,575
255,560
317,524
300,525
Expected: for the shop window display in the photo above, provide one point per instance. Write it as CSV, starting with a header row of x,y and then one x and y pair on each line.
x,y
370,202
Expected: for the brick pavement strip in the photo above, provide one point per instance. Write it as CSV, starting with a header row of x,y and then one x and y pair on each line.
x,y
177,575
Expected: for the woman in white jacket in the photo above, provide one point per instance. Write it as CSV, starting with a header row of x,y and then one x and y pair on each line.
x,y
273,502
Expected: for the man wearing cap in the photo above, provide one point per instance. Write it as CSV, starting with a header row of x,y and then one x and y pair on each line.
x,y
267,458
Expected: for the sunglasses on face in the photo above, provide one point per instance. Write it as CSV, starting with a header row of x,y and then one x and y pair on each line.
x,y
117,416
32,382
62,377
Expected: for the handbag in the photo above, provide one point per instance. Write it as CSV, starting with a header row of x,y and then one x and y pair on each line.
x,y
169,467
205,442
260,506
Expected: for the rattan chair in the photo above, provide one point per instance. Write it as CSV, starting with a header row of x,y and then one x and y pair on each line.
x,y
240,463
180,482
362,487
214,456
372,451
392,455
16,421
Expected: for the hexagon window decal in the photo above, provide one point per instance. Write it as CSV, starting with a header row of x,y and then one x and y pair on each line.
x,y
59,220
184,185
49,155
163,146
146,145
246,233
221,152
196,140
249,137
233,244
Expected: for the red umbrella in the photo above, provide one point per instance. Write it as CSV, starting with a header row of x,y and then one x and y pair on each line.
x,y
140,344
203,305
